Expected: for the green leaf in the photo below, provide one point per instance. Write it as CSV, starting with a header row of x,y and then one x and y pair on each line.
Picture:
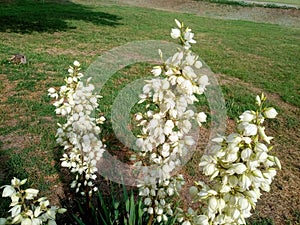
x,y
78,220
106,217
132,210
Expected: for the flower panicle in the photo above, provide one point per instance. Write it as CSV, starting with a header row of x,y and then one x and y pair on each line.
x,y
79,135
167,123
240,167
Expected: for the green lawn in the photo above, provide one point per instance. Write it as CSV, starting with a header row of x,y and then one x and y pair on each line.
x,y
53,35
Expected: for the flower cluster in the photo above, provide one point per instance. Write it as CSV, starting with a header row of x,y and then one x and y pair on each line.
x,y
158,195
239,166
25,208
166,127
80,134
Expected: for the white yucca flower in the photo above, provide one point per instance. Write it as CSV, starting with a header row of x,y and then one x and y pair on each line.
x,y
165,131
240,167
80,134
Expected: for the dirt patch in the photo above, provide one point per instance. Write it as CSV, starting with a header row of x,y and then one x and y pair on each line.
x,y
56,191
285,17
15,140
81,49
7,88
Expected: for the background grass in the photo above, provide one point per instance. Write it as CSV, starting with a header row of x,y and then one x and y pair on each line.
x,y
52,35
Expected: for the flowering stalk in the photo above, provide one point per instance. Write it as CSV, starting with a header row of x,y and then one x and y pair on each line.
x,y
165,127
25,208
239,166
80,134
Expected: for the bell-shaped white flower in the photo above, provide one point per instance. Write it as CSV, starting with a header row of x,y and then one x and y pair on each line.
x,y
169,125
246,154
186,223
188,36
260,147
156,71
237,168
270,113
201,219
213,204
247,116
175,33
250,129
201,118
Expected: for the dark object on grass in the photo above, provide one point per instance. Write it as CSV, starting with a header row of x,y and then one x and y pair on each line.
x,y
18,59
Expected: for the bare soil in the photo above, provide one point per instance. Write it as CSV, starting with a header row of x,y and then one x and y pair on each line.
x,y
285,17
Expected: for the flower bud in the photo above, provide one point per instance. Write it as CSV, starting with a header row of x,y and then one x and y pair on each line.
x,y
193,191
258,100
76,63
179,25
150,210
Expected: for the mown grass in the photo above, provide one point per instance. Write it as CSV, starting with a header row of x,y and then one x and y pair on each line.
x,y
53,34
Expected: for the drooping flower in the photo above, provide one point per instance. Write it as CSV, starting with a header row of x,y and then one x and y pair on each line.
x,y
270,113
175,33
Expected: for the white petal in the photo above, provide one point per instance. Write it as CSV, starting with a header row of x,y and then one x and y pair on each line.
x,y
8,191
213,204
26,221
16,210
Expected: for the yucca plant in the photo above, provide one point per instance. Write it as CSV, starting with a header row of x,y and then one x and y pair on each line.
x,y
116,208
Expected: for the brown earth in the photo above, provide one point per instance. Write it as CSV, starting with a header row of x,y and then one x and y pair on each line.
x,y
285,17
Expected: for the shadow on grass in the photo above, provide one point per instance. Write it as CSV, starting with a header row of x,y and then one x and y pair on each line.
x,y
28,16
